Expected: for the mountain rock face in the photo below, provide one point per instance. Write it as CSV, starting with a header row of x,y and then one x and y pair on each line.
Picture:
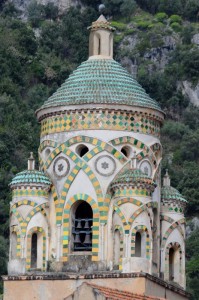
x,y
190,91
22,5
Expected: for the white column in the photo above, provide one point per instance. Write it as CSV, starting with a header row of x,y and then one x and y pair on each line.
x,y
23,238
102,240
126,254
58,241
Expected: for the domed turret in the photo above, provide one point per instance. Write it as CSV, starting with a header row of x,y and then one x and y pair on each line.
x,y
171,199
30,177
173,233
133,178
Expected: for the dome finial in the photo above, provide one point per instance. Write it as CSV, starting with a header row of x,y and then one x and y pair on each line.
x,y
31,162
166,179
101,38
134,161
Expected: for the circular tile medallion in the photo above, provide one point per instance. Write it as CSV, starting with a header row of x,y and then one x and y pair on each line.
x,y
105,165
61,166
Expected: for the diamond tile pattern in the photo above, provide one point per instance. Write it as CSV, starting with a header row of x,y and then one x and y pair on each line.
x,y
100,120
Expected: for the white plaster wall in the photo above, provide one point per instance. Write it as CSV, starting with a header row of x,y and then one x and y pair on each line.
x,y
81,184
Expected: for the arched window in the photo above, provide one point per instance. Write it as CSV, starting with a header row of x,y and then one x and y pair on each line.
x,y
34,251
138,245
82,222
99,46
171,264
13,245
116,249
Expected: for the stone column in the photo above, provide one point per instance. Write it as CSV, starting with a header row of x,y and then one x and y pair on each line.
x,y
58,241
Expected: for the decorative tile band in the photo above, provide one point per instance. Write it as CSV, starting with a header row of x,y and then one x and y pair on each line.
x,y
118,227
67,230
141,229
106,120
125,192
29,246
29,192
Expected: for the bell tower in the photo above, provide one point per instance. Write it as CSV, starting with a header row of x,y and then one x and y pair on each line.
x,y
101,38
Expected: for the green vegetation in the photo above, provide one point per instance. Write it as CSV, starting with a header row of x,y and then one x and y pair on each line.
x,y
38,55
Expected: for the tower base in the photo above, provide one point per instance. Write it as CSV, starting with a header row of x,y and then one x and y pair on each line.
x,y
60,286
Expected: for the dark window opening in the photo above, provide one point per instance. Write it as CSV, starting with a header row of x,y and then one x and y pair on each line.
x,y
138,245
171,264
82,150
99,46
34,251
82,227
126,151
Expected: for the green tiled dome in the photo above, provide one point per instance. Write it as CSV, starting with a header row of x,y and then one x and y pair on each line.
x,y
101,81
170,193
30,177
132,176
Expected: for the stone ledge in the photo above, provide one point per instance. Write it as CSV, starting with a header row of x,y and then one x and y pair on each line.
x,y
101,275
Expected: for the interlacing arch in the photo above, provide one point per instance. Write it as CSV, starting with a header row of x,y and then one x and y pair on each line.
x,y
106,147
143,208
118,227
66,225
80,164
173,226
23,222
28,256
141,229
145,150
15,229
167,219
43,145
122,217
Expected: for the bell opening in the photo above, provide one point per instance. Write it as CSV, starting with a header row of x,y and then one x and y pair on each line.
x,y
82,222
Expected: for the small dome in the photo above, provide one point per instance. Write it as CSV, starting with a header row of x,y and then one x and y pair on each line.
x,y
101,81
30,177
132,176
170,193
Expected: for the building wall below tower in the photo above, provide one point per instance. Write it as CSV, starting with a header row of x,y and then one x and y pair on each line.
x,y
55,287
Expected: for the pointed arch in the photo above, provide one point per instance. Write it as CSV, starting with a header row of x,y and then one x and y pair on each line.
x,y
122,217
142,229
143,208
66,225
28,256
177,247
145,150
